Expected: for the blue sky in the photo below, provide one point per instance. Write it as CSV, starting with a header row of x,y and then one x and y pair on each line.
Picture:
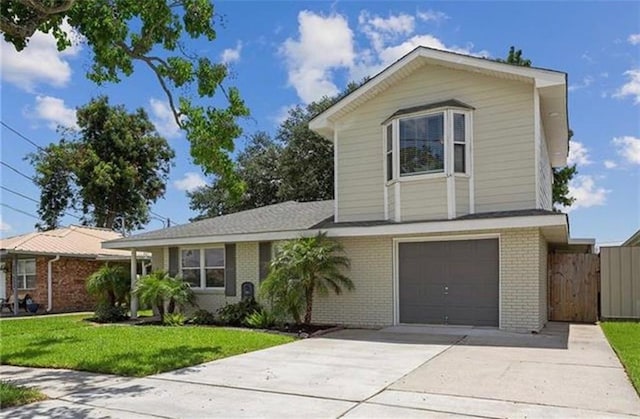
x,y
284,53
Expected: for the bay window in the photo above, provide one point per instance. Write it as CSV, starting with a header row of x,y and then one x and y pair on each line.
x,y
203,267
434,142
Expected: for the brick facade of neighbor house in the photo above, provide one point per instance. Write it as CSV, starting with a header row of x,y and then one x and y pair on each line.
x,y
69,283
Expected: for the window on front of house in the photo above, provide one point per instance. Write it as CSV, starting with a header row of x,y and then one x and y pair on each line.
x,y
203,268
26,274
424,144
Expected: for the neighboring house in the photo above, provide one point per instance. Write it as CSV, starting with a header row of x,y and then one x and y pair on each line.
x,y
53,266
443,201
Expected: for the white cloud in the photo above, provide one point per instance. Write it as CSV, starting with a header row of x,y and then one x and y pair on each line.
x,y
190,182
578,154
610,164
231,55
4,227
632,87
586,82
586,193
634,39
55,112
162,117
432,16
629,148
282,114
325,43
40,62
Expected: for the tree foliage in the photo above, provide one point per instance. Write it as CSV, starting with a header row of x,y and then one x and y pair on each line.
x,y
302,268
112,170
109,284
297,165
124,33
561,176
164,293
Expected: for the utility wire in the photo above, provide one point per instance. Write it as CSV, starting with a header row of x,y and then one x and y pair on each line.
x,y
19,134
17,171
19,194
19,210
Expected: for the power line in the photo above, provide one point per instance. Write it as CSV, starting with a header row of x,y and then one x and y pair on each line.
x,y
19,194
19,134
19,210
17,171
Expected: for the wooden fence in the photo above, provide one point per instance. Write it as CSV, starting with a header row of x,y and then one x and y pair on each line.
x,y
620,282
573,287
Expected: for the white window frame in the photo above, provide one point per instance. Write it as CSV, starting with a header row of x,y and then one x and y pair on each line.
x,y
203,268
22,274
448,169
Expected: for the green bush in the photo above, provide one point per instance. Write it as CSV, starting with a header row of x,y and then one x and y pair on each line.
x,y
236,314
203,317
174,319
262,319
106,313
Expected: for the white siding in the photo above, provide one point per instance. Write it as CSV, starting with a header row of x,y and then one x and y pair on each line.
x,y
423,199
504,159
545,176
462,196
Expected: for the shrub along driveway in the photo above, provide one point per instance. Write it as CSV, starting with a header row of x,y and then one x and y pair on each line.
x,y
358,373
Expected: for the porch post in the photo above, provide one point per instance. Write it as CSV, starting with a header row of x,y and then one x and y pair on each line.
x,y
14,276
134,278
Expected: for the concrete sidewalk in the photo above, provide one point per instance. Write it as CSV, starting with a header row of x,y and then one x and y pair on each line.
x,y
399,372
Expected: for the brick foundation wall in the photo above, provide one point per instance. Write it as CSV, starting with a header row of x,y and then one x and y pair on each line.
x,y
69,278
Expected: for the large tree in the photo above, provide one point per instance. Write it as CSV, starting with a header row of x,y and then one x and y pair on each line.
x,y
561,176
124,33
258,168
297,166
112,170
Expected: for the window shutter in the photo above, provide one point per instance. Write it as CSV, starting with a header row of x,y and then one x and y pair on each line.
x,y
230,270
174,261
264,259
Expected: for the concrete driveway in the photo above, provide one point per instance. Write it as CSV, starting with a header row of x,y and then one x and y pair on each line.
x,y
396,372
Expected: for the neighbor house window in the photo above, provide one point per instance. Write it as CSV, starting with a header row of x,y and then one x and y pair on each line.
x,y
26,274
203,268
427,143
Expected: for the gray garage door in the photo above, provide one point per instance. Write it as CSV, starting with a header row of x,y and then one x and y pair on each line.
x,y
450,282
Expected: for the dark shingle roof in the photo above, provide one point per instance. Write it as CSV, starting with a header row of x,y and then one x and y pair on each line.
x,y
286,216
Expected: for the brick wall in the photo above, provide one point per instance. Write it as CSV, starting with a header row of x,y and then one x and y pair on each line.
x,y
69,276
523,289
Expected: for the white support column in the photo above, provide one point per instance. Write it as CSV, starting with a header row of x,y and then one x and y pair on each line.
x,y
134,278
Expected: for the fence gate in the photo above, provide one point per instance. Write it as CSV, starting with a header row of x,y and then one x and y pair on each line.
x,y
573,287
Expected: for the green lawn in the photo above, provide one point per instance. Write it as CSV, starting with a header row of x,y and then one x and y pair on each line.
x,y
14,395
69,342
625,339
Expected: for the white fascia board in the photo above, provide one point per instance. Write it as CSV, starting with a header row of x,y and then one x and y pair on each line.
x,y
445,226
542,77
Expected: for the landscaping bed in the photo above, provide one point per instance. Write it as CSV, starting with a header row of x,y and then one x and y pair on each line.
x,y
624,337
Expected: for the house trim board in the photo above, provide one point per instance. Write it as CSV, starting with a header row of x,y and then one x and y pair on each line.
x,y
429,227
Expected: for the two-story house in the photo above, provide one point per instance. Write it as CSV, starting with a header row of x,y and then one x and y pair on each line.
x,y
443,180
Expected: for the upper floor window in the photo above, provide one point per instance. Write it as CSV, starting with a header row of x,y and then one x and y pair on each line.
x,y
203,268
427,143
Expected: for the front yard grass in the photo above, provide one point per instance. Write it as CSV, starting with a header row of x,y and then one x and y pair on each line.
x,y
14,395
72,343
624,337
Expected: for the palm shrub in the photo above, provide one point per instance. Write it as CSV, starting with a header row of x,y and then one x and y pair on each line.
x,y
110,285
301,268
164,293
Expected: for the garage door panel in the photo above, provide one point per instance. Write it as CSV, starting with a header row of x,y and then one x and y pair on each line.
x,y
452,282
